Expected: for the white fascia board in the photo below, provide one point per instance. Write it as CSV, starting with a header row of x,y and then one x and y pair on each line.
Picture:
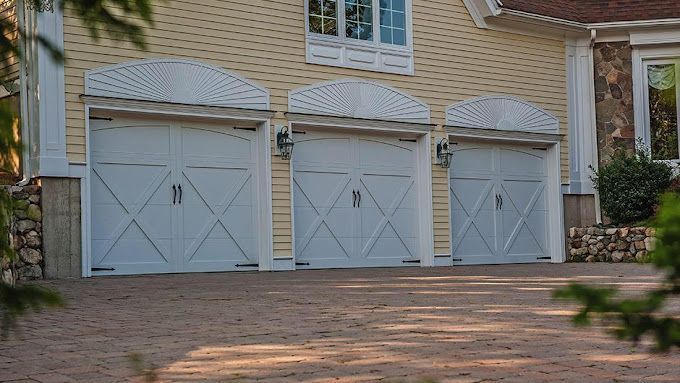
x,y
480,9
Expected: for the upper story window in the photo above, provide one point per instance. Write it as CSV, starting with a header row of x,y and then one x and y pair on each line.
x,y
662,108
362,34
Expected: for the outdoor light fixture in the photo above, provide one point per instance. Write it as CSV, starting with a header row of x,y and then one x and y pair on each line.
x,y
284,144
444,153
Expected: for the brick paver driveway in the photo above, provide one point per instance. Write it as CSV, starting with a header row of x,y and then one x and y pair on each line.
x,y
463,324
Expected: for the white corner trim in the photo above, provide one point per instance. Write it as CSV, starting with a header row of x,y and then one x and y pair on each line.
x,y
357,98
265,203
176,81
556,201
49,98
424,190
501,113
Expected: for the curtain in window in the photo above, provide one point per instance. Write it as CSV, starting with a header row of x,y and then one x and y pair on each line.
x,y
661,77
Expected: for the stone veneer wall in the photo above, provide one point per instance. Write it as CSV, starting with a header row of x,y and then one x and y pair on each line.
x,y
26,234
613,98
594,244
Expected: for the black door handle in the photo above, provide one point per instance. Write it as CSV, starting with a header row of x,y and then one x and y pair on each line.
x,y
180,193
354,198
174,194
359,201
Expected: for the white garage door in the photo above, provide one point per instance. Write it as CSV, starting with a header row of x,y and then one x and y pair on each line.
x,y
498,204
354,200
171,197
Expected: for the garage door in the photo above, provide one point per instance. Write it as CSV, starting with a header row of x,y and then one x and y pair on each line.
x,y
498,204
354,200
171,197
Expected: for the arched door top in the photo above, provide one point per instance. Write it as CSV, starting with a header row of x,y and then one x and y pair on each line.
x,y
176,81
356,98
501,113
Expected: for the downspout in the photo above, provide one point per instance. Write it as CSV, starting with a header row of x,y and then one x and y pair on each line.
x,y
23,95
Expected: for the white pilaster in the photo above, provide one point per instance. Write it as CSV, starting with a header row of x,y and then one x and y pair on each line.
x,y
582,127
50,97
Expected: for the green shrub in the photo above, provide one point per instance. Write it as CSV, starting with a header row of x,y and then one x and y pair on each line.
x,y
630,185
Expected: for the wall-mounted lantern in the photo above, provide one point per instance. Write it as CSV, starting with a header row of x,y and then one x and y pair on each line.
x,y
284,143
444,153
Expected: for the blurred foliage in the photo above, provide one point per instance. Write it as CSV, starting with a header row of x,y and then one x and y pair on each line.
x,y
636,318
630,185
119,20
145,371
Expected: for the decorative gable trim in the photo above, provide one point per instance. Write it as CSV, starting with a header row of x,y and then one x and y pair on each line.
x,y
176,81
501,113
357,98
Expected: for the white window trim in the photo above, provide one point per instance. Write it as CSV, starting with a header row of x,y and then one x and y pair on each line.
x,y
373,55
647,117
642,56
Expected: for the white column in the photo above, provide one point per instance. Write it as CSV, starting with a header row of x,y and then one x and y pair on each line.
x,y
50,97
582,128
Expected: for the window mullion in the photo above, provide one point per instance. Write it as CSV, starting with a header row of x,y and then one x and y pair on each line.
x,y
342,28
376,22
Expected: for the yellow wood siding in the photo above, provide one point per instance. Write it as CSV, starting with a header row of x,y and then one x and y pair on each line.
x,y
265,41
9,67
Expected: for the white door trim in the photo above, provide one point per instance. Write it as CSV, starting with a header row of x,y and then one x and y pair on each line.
x,y
423,183
264,187
554,192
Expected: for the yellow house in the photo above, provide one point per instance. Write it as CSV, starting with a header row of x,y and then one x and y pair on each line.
x,y
296,134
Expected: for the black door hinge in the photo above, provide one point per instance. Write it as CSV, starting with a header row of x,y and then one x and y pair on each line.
x,y
543,258
411,261
544,149
101,118
458,259
301,263
103,269
299,132
248,265
239,128
408,140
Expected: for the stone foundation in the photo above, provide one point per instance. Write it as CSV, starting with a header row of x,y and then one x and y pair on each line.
x,y
595,244
26,233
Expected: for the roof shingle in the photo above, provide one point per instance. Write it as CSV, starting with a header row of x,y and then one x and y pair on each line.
x,y
599,11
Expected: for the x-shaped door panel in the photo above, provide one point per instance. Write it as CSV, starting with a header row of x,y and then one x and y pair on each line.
x,y
322,216
137,235
387,216
523,217
473,216
217,214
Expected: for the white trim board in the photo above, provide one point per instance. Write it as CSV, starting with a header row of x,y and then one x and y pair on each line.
x,y
502,135
167,108
356,123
